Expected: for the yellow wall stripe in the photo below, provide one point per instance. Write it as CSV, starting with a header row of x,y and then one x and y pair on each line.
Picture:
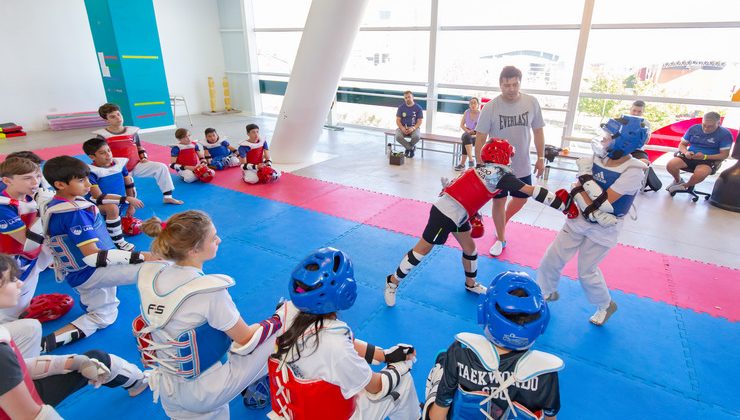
x,y
148,103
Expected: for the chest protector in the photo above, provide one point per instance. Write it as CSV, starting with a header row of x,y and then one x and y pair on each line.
x,y
67,255
110,179
475,187
188,154
122,145
5,338
606,176
468,405
294,398
217,150
256,150
29,213
190,352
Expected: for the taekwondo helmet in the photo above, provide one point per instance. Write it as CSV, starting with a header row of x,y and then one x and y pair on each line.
x,y
323,282
497,151
513,293
627,133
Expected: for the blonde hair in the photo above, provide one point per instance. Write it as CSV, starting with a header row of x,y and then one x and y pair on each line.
x,y
181,233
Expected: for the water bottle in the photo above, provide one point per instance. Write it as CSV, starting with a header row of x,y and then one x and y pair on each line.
x,y
389,148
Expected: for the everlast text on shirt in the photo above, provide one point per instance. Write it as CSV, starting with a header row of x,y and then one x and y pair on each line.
x,y
505,121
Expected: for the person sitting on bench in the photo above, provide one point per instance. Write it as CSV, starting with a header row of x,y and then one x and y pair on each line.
x,y
408,121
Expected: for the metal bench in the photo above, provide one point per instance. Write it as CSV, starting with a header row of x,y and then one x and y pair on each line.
x,y
432,138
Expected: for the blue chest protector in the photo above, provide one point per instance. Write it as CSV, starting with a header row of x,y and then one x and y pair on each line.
x,y
190,352
605,177
467,405
110,179
217,150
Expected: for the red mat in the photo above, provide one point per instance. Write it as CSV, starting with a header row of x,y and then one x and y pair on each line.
x,y
677,281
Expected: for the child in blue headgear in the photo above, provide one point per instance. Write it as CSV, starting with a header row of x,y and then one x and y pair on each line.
x,y
320,370
606,187
496,375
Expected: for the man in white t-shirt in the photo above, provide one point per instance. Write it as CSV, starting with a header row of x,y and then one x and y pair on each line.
x,y
516,117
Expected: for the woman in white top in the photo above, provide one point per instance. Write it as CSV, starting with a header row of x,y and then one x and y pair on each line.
x,y
320,370
190,332
467,124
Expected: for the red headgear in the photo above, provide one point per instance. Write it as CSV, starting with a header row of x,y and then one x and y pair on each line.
x,y
497,151
48,307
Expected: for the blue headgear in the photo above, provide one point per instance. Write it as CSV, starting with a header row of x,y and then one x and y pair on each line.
x,y
323,282
628,133
499,302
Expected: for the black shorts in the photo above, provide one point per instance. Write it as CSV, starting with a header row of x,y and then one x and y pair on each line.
x,y
691,164
503,193
440,226
640,154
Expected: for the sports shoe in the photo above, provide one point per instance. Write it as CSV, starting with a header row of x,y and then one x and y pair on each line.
x,y
602,315
412,152
674,183
407,153
497,248
552,297
390,292
459,167
477,288
677,188
124,245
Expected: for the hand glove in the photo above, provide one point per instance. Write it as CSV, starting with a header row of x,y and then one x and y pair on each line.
x,y
401,367
398,353
94,370
603,218
570,208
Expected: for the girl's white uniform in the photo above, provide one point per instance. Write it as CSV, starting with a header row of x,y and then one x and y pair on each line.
x,y
206,396
336,361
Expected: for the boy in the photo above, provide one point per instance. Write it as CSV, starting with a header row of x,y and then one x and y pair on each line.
x,y
188,160
458,205
219,153
496,373
124,143
254,156
21,237
31,386
606,187
84,254
112,189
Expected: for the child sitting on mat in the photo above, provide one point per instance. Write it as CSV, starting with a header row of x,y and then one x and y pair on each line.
x,y
219,153
113,190
188,160
320,370
84,255
190,332
254,156
31,386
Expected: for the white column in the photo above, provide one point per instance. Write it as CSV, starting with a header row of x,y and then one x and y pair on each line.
x,y
327,40
575,83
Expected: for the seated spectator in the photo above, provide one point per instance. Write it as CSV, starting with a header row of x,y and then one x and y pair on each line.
x,y
468,123
408,121
637,109
702,150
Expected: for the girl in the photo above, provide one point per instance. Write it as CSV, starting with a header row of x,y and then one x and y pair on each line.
x,y
202,352
467,124
320,370
30,388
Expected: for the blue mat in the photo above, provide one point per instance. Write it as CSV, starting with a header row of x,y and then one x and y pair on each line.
x,y
651,360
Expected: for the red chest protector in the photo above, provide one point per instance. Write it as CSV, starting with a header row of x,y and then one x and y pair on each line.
x,y
5,338
122,145
187,156
470,191
8,245
298,399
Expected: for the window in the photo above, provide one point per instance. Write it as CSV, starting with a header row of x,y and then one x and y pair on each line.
x,y
522,12
276,51
393,55
280,14
397,13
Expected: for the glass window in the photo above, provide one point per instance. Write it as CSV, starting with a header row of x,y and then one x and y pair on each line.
x,y
397,13
545,58
679,63
280,14
641,11
389,56
276,51
522,12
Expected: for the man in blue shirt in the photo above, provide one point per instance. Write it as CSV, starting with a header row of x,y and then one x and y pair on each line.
x,y
702,150
408,121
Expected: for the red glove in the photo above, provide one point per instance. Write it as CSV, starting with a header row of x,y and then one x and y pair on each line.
x,y
477,230
569,206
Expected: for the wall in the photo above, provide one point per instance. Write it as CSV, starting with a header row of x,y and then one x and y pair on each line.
x,y
52,68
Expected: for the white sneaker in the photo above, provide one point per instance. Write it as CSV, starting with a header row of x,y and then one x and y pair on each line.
x,y
676,188
497,248
477,288
674,183
124,245
602,315
390,292
552,297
